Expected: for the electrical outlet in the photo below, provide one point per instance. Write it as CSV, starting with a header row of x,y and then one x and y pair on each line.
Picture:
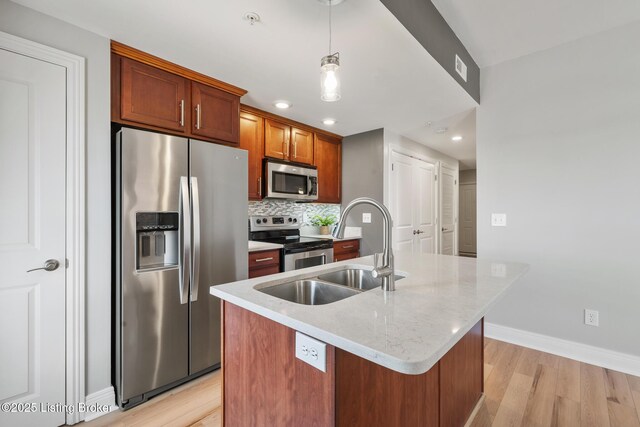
x,y
498,270
591,317
366,218
311,351
499,220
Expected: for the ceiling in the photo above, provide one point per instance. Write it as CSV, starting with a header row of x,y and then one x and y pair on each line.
x,y
388,79
499,30
463,124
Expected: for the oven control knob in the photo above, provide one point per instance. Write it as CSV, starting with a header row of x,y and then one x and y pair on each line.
x,y
290,219
295,219
264,220
258,221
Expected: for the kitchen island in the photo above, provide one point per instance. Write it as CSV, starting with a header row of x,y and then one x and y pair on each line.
x,y
409,357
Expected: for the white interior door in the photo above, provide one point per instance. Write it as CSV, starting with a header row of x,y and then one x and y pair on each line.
x,y
468,218
413,204
425,214
402,196
32,230
448,183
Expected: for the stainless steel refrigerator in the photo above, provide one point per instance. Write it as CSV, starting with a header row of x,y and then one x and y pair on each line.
x,y
181,226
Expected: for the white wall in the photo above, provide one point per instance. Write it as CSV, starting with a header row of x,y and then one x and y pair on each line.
x,y
31,25
558,149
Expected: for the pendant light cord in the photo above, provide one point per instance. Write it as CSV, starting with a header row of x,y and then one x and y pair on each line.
x,y
330,4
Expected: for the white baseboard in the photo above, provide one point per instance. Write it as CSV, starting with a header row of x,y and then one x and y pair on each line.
x,y
100,403
609,359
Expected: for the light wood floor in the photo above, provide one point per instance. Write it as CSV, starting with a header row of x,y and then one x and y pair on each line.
x,y
523,387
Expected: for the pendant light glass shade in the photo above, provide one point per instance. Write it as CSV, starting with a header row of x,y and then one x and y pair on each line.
x,y
330,78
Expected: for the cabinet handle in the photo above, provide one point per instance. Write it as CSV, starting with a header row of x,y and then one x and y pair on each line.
x,y
347,247
260,186
295,150
264,259
286,146
182,113
198,116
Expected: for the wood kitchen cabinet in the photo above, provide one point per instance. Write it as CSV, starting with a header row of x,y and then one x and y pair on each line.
x,y
286,142
252,140
328,159
263,263
151,93
152,96
215,113
277,137
346,249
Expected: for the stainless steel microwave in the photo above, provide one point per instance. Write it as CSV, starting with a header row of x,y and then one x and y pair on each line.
x,y
290,181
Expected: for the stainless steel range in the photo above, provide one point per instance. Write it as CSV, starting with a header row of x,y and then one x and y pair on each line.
x,y
299,252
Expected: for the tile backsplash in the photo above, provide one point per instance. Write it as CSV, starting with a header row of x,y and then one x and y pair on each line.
x,y
287,207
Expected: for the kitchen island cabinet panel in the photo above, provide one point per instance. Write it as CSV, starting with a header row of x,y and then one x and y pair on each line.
x,y
264,384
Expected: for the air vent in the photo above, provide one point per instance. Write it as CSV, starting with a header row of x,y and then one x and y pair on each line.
x,y
461,68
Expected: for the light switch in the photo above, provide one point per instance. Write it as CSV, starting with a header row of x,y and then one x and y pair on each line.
x,y
499,220
366,218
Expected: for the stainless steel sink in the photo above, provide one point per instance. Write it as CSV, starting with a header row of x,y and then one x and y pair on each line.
x,y
309,292
355,278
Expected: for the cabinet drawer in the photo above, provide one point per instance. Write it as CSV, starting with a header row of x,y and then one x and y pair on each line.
x,y
264,259
344,246
345,256
265,271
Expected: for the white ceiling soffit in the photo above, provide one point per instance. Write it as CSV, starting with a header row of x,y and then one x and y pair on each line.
x,y
388,79
463,124
499,30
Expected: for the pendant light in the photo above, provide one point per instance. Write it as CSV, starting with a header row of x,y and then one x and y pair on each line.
x,y
330,71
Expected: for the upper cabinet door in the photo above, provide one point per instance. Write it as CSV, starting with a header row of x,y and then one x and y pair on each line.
x,y
252,140
276,139
328,159
152,96
301,146
215,113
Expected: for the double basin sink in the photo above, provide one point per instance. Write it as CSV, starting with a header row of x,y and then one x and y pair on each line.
x,y
326,288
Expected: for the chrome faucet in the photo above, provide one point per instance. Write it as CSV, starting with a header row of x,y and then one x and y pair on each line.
x,y
385,271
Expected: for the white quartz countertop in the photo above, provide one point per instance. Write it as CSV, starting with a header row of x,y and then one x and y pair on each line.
x,y
329,236
262,246
407,330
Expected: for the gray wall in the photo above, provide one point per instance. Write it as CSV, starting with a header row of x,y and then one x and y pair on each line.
x,y
425,23
362,176
31,25
558,148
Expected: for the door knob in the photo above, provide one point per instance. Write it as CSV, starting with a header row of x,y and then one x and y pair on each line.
x,y
415,232
49,265
419,232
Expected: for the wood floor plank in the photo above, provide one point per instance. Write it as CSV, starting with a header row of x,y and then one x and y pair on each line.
x,y
502,372
593,400
487,370
539,411
528,362
514,403
569,379
617,388
622,415
566,413
634,382
636,399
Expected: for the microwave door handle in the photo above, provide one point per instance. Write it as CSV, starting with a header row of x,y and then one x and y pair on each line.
x,y
195,206
184,264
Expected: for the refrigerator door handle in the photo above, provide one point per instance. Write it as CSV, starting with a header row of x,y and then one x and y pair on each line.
x,y
195,202
185,239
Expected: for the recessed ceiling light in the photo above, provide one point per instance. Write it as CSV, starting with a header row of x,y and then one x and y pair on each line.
x,y
282,104
456,138
329,122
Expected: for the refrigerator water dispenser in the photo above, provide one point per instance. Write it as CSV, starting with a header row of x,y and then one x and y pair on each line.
x,y
157,240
